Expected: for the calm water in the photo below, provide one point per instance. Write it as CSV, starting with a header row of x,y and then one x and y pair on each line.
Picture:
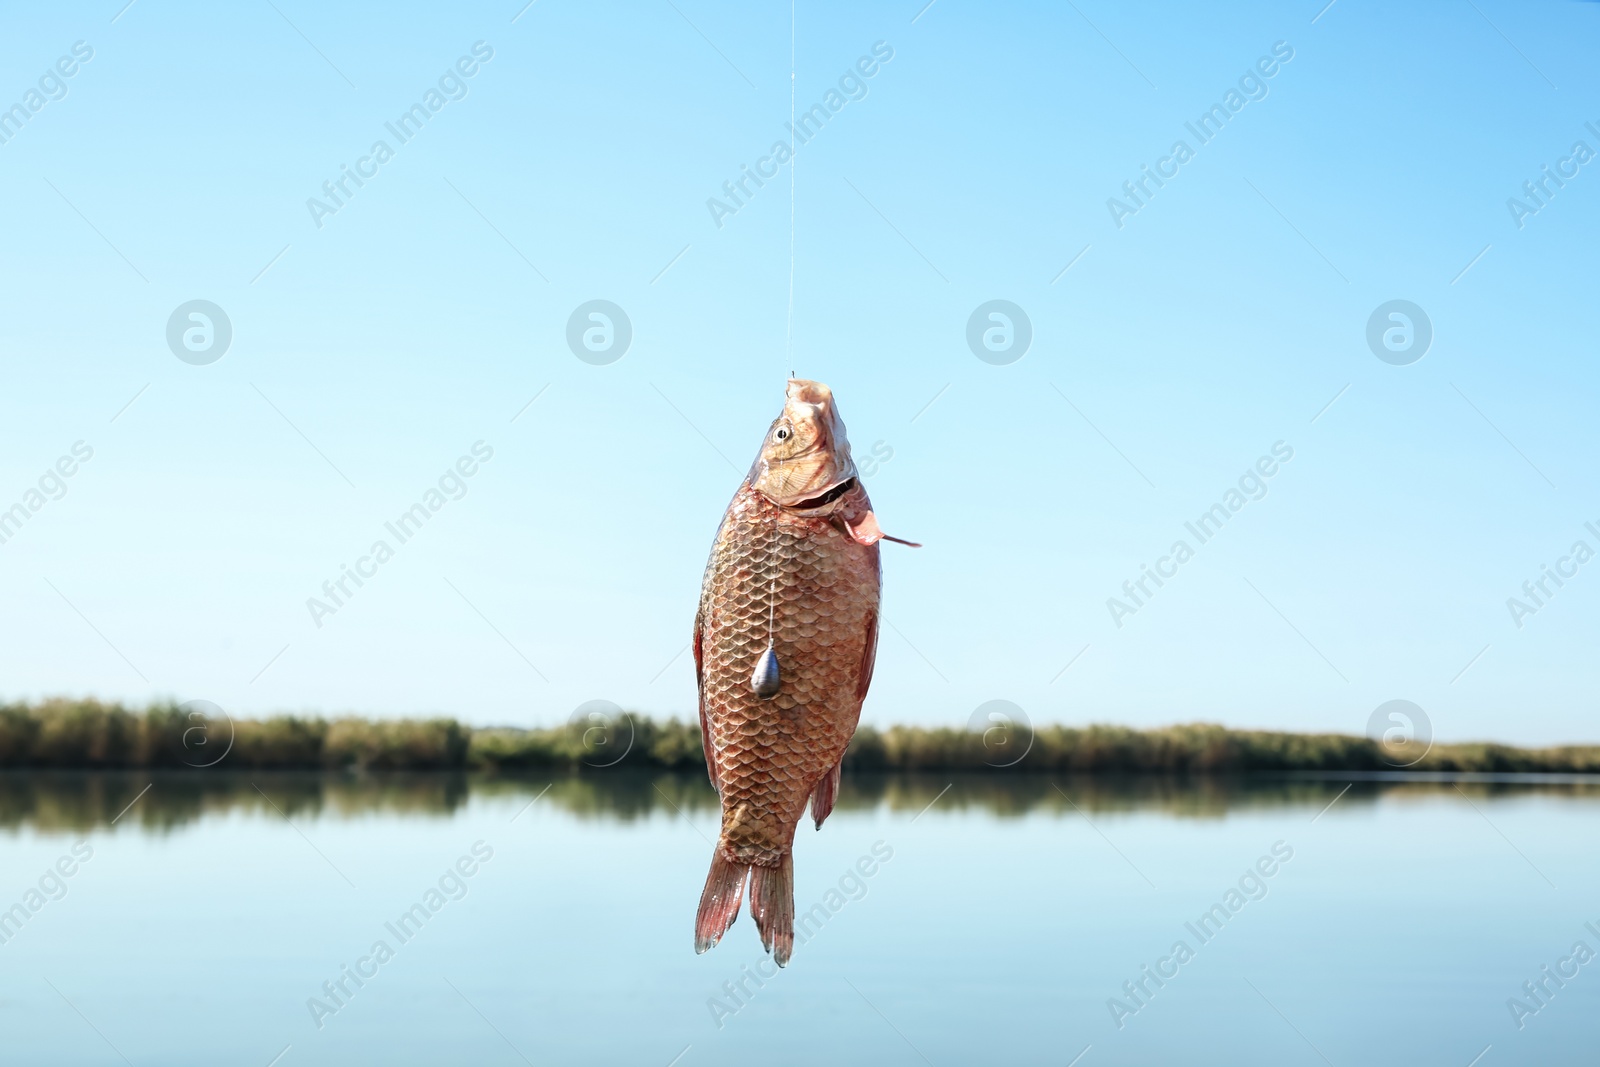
x,y
1392,928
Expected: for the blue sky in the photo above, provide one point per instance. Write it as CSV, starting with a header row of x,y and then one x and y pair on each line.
x,y
370,353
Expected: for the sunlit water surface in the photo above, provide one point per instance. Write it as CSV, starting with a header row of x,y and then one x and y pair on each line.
x,y
996,921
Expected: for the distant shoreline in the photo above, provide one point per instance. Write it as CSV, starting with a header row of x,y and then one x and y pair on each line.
x,y
88,735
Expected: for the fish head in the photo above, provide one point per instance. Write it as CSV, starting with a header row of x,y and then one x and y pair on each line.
x,y
805,461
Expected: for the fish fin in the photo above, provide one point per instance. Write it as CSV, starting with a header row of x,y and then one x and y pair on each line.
x,y
826,792
699,633
710,753
865,531
705,724
719,901
869,657
772,907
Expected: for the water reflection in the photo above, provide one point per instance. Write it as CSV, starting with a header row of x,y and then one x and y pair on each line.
x,y
57,801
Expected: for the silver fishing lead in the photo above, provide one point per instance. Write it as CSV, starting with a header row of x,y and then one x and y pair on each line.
x,y
764,680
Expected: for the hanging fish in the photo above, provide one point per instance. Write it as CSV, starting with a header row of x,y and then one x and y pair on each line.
x,y
784,643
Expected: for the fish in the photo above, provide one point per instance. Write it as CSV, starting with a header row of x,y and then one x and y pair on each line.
x,y
785,639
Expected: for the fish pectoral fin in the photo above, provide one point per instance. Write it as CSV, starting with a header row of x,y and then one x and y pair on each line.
x,y
865,531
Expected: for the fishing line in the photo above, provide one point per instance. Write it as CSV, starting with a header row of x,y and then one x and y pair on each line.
x,y
792,161
772,602
765,680
772,567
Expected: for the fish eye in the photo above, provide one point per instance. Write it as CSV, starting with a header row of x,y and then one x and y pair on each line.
x,y
782,434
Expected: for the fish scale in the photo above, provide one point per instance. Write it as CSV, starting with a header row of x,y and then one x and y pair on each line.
x,y
822,589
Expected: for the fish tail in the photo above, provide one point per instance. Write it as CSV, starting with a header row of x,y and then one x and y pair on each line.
x,y
772,907
719,903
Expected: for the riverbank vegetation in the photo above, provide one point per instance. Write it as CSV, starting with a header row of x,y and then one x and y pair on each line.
x,y
86,735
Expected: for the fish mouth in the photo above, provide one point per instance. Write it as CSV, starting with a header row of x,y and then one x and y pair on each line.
x,y
823,499
805,391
